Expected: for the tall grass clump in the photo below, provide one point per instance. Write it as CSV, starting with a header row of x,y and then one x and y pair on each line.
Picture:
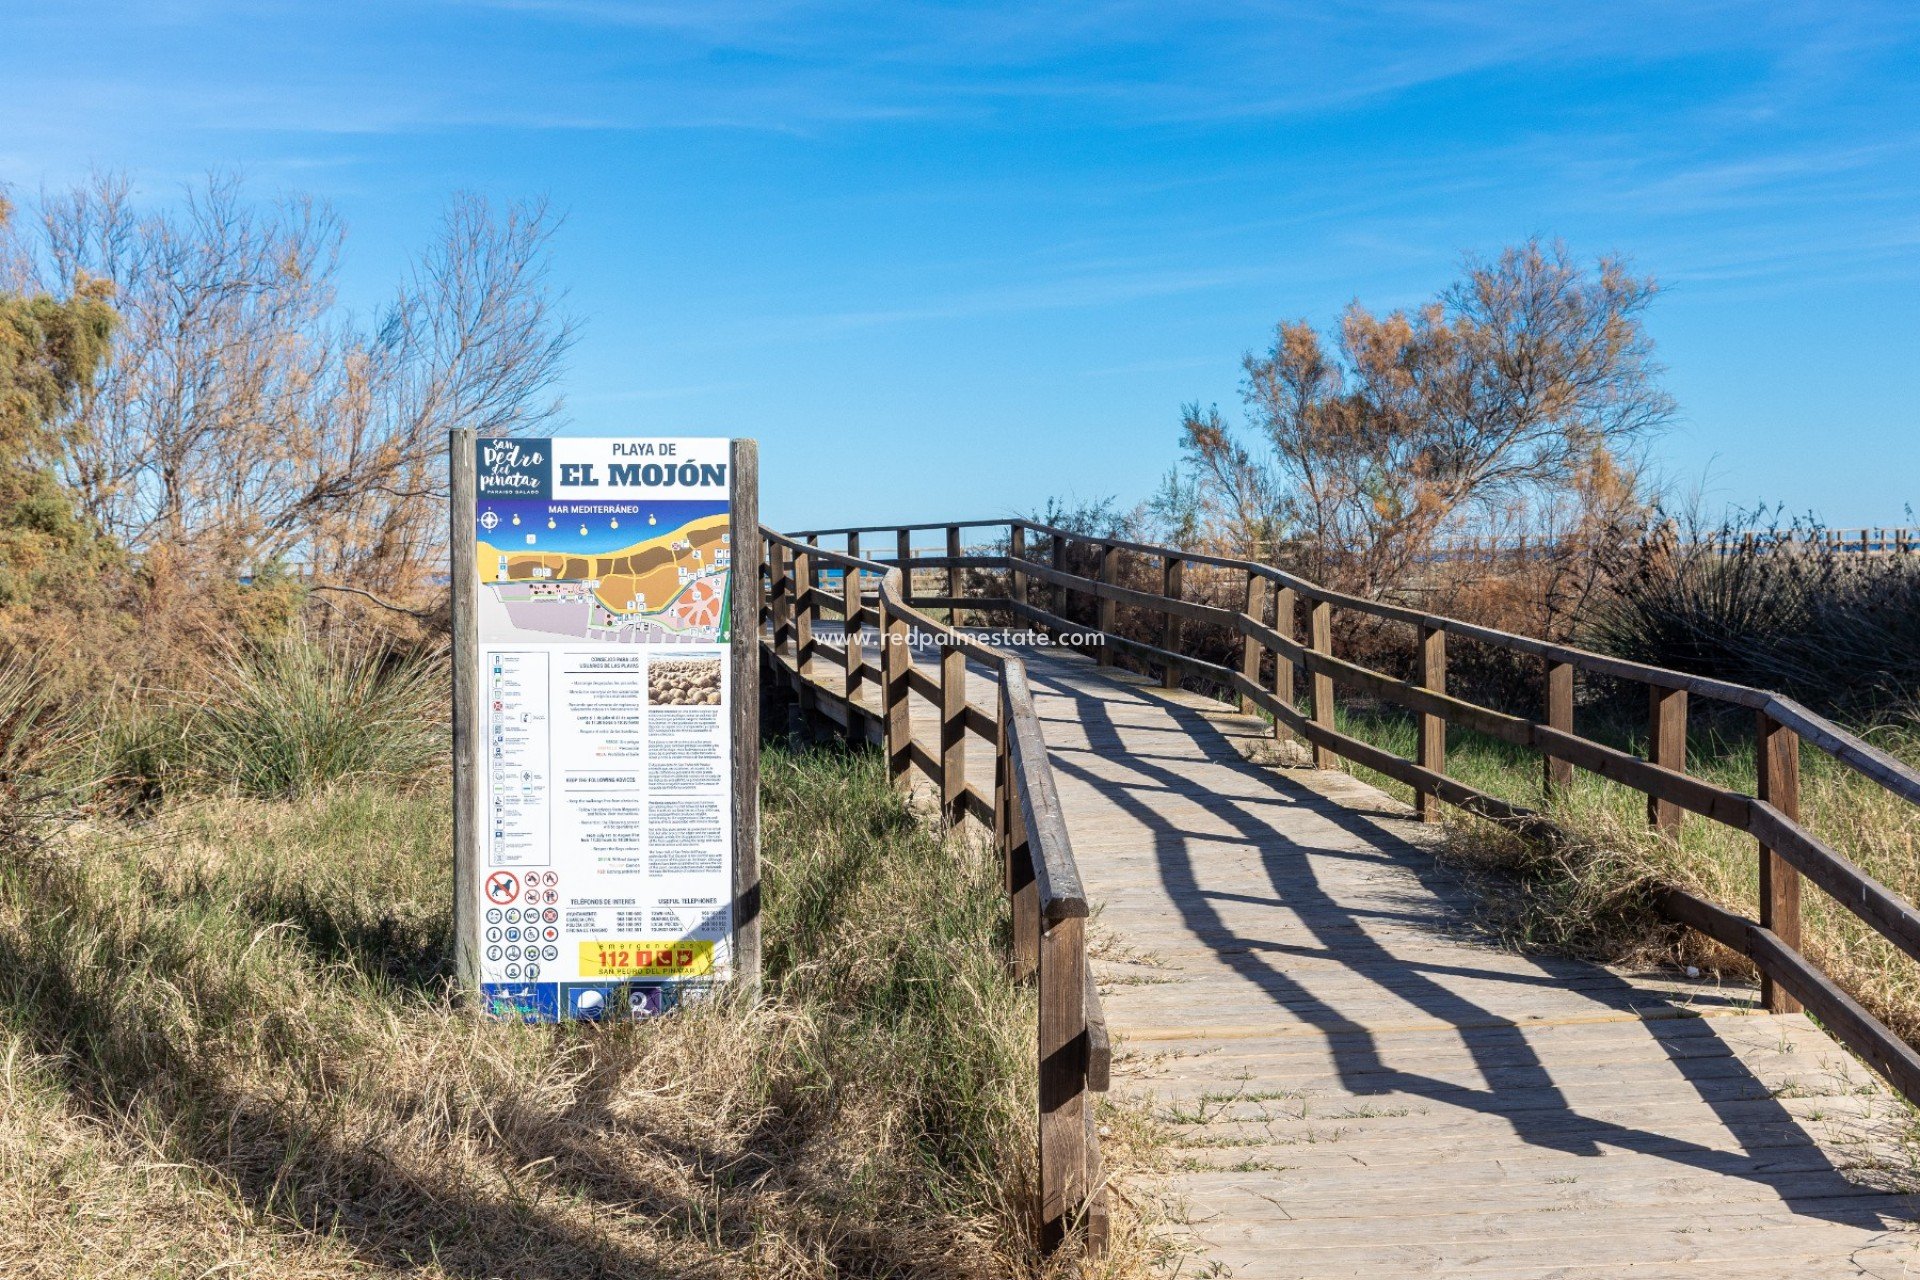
x,y
898,940
1839,630
42,741
291,716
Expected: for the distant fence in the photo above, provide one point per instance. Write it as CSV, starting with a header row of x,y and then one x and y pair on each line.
x,y
1896,541
1864,541
1494,551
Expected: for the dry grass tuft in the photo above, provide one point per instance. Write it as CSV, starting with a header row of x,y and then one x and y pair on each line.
x,y
1591,895
229,1046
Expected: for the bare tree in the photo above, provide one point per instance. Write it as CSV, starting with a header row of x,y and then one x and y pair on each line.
x,y
246,418
1529,381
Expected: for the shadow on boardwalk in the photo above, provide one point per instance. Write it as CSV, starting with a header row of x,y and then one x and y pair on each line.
x,y
1519,1089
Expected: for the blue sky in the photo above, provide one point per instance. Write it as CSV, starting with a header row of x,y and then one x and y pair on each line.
x,y
952,259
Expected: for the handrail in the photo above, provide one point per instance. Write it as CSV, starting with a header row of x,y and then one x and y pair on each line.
x,y
1836,741
1049,905
900,528
1269,630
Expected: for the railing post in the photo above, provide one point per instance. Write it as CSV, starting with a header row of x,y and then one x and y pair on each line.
x,y
953,574
1016,557
1433,729
1777,752
1171,624
953,733
803,629
1023,887
1103,606
1667,747
1002,773
1258,595
904,554
1002,828
1320,640
854,659
1286,687
853,545
765,570
1063,1076
896,726
779,597
1559,773
1057,595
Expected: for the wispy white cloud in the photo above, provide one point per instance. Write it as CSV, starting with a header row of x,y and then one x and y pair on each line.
x,y
800,66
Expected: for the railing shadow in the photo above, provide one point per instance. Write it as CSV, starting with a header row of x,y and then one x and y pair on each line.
x,y
1072,690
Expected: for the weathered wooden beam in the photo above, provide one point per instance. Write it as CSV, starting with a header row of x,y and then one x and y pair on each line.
x,y
953,571
853,669
953,733
1558,772
1258,599
1170,586
896,660
1320,621
1667,748
744,676
1063,1078
1109,565
469,719
780,592
1023,889
1432,750
1777,756
903,557
1286,626
1017,563
803,614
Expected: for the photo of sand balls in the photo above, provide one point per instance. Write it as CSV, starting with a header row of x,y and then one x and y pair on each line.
x,y
684,682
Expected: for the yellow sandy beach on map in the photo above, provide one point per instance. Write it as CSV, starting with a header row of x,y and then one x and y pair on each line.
x,y
648,570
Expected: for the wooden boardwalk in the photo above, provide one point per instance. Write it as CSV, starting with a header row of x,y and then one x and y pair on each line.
x,y
1363,1087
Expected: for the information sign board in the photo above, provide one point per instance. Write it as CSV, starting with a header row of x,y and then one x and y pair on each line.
x,y
603,636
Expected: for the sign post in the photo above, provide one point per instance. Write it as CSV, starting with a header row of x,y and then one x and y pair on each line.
x,y
606,600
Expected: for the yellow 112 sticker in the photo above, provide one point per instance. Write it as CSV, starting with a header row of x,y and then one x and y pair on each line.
x,y
663,958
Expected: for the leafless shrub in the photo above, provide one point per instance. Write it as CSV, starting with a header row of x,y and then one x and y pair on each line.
x,y
247,418
1519,396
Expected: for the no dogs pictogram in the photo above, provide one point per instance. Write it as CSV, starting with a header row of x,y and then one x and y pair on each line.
x,y
503,886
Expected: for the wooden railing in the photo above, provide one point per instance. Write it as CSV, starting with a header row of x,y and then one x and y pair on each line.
x,y
836,679
1289,620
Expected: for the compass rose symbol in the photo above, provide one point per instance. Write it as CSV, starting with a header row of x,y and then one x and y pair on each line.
x,y
489,521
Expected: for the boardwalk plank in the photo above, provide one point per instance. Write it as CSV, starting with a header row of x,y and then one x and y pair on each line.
x,y
1413,1100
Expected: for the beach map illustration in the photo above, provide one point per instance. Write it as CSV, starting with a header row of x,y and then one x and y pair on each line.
x,y
623,572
